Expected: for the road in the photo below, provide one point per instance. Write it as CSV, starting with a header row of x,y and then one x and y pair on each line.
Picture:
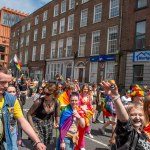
x,y
99,142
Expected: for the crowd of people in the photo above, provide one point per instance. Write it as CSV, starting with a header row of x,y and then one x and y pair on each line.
x,y
71,109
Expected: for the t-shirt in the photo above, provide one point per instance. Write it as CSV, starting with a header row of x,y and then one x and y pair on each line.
x,y
124,130
17,112
125,100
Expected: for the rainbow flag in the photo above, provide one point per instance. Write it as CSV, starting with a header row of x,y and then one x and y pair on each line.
x,y
17,62
63,99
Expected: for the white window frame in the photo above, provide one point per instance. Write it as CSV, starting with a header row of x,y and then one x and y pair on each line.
x,y
97,14
28,26
45,15
53,49
27,40
42,51
111,70
70,22
71,4
22,42
69,47
81,48
84,1
26,57
34,53
84,18
112,8
35,34
17,45
60,48
63,6
56,10
93,72
23,29
93,43
36,21
43,32
110,41
54,29
62,25
20,57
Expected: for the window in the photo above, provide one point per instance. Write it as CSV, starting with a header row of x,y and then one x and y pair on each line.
x,y
36,20
112,39
62,26
140,34
70,22
26,57
21,57
84,1
138,71
45,15
18,32
34,53
69,47
110,70
43,32
42,52
56,10
82,42
97,13
54,30
93,72
71,4
27,40
23,29
114,8
141,3
35,34
83,19
53,49
60,48
22,41
63,6
95,43
28,26
13,34
17,45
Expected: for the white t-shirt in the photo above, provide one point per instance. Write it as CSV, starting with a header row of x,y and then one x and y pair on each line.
x,y
125,100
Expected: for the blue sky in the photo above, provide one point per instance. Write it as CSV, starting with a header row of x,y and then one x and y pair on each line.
x,y
27,6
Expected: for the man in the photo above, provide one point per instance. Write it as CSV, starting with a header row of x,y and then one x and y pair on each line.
x,y
9,105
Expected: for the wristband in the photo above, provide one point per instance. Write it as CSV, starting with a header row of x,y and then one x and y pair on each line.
x,y
115,98
35,144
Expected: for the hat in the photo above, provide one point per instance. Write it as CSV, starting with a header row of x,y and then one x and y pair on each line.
x,y
137,91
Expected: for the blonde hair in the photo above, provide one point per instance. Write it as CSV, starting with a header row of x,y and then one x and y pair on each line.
x,y
133,106
146,105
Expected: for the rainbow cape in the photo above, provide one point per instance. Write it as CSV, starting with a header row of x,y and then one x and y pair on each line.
x,y
66,121
147,131
63,99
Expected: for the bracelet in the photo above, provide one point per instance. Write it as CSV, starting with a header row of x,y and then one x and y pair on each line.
x,y
35,144
115,98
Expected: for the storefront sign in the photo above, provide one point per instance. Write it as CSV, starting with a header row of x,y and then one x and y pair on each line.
x,y
102,58
141,56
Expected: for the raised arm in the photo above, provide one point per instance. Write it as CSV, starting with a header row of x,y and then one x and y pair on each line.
x,y
121,112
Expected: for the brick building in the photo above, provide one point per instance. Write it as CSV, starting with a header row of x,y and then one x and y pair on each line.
x,y
77,38
8,17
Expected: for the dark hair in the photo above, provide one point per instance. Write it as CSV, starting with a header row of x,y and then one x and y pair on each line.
x,y
74,94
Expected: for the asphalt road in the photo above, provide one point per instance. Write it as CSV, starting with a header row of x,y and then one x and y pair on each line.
x,y
99,142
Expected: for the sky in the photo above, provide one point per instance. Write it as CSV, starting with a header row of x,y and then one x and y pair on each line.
x,y
27,6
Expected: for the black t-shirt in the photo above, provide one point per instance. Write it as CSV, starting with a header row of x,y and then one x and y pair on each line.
x,y
125,130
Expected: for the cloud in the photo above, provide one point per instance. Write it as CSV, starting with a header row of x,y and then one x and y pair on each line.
x,y
27,6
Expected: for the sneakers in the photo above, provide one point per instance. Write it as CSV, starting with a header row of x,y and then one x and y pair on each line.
x,y
89,135
102,131
82,148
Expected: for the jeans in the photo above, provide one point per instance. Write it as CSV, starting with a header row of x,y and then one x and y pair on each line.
x,y
69,145
14,139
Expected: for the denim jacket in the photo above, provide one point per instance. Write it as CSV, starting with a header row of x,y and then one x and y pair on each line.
x,y
9,101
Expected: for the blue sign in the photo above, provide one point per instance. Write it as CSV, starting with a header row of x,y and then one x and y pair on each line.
x,y
102,58
141,56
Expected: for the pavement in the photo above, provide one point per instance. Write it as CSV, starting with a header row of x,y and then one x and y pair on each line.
x,y
99,142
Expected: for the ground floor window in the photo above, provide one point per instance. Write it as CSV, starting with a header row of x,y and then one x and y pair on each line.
x,y
138,74
93,72
110,70
68,71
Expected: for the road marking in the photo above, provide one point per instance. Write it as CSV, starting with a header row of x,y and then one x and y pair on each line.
x,y
97,142
26,110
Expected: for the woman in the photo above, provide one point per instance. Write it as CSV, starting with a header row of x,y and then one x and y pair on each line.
x,y
130,134
42,114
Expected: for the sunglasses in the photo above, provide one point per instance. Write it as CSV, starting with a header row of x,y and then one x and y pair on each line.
x,y
11,91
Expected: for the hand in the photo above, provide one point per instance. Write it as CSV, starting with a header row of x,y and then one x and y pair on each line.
x,y
108,90
19,142
56,126
11,128
84,109
40,146
75,114
62,146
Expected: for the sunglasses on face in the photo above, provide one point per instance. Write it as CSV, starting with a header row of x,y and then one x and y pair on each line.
x,y
11,91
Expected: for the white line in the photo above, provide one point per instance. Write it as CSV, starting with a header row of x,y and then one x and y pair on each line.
x,y
25,110
97,142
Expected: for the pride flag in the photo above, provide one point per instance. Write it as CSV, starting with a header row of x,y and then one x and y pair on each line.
x,y
17,62
64,99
